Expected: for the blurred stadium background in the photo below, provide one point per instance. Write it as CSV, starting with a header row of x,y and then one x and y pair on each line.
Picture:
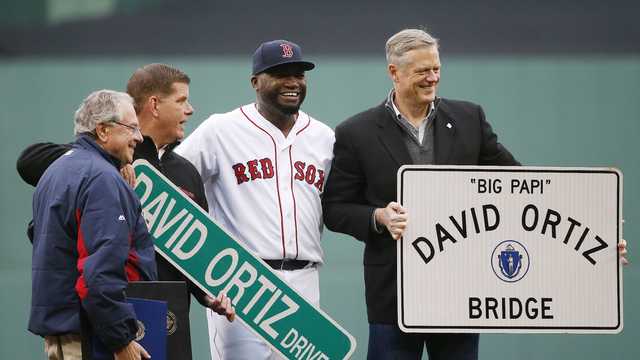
x,y
559,81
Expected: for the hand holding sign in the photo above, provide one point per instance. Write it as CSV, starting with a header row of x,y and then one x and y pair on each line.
x,y
622,252
393,217
221,305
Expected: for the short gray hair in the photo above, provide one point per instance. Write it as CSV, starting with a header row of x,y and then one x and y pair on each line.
x,y
407,40
99,107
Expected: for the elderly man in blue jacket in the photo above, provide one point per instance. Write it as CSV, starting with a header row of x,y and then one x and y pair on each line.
x,y
90,238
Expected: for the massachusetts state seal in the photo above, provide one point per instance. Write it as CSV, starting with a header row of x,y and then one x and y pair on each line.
x,y
510,261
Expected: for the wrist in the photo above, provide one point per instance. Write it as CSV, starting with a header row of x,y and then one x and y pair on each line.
x,y
376,216
124,349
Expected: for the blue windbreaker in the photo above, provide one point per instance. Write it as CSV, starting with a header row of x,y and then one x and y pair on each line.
x,y
90,239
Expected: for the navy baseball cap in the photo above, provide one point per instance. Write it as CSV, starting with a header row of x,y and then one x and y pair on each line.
x,y
278,52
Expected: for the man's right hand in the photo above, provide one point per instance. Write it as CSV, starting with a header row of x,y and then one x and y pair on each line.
x,y
222,306
129,175
393,217
133,351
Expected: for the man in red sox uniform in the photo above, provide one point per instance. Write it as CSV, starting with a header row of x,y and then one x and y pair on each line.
x,y
264,166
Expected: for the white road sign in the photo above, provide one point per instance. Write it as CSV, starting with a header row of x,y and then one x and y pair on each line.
x,y
510,249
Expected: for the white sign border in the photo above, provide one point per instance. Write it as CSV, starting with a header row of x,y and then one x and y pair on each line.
x,y
508,329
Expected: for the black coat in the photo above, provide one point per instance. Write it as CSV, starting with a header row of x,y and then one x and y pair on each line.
x,y
368,152
36,158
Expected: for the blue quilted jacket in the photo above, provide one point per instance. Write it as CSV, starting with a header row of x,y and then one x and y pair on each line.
x,y
90,239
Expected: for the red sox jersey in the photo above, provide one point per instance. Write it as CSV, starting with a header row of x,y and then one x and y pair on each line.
x,y
264,187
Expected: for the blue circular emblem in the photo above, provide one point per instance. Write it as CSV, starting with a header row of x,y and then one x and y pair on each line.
x,y
510,261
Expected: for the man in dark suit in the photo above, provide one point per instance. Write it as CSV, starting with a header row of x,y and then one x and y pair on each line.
x,y
411,126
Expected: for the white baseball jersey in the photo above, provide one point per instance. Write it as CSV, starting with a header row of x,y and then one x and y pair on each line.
x,y
262,186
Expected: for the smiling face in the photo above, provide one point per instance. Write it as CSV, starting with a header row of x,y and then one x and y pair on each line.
x,y
120,138
173,111
282,88
416,75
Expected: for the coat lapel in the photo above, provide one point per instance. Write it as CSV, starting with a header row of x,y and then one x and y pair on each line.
x,y
444,136
390,135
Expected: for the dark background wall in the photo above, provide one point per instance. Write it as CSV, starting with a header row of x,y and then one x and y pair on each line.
x,y
559,83
110,27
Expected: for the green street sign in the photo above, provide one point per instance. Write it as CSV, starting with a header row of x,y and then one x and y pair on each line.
x,y
202,250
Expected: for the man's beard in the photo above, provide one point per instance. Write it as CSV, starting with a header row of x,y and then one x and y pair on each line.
x,y
285,108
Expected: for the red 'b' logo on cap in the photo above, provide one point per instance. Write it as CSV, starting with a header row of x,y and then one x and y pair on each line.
x,y
287,50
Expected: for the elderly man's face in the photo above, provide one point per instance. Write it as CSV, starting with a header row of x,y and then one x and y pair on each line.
x,y
123,136
417,75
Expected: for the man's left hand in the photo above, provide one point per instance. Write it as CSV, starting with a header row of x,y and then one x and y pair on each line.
x,y
622,252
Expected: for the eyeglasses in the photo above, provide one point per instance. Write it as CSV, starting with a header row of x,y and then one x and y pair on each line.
x,y
134,129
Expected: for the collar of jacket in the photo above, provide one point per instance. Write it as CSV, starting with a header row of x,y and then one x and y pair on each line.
x,y
148,150
444,127
87,142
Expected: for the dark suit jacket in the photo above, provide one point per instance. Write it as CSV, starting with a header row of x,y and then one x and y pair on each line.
x,y
368,152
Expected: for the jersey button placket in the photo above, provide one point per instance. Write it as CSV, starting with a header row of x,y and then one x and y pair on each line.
x,y
285,192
